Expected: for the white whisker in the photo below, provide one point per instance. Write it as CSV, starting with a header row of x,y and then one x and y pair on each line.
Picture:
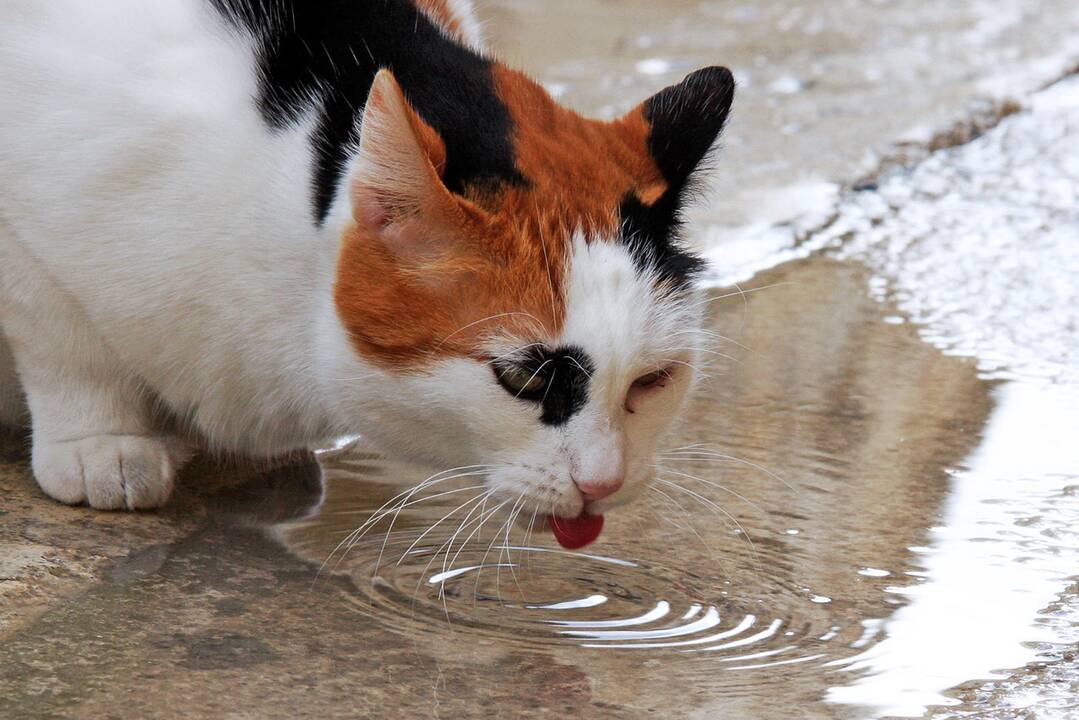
x,y
717,508
716,485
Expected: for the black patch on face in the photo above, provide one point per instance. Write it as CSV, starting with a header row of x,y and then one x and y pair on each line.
x,y
331,50
651,233
566,372
685,121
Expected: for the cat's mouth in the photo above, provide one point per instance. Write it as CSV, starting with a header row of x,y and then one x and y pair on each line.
x,y
575,533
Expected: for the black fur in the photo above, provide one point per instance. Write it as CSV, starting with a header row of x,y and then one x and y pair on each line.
x,y
651,233
332,49
686,120
566,372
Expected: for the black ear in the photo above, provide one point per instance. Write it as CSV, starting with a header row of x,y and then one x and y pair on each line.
x,y
686,119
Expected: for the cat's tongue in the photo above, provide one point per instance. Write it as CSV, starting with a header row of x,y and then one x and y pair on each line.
x,y
575,533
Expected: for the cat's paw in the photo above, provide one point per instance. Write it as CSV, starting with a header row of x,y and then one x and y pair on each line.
x,y
109,472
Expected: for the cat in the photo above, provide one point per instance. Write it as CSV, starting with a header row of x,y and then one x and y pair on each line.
x,y
270,223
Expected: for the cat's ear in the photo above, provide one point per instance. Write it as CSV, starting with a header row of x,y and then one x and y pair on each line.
x,y
396,185
685,120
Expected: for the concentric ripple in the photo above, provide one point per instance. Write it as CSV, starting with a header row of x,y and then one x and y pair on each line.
x,y
421,577
540,596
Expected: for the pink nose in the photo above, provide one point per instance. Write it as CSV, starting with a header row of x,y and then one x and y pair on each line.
x,y
599,489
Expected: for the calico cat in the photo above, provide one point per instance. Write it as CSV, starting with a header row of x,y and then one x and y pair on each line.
x,y
276,222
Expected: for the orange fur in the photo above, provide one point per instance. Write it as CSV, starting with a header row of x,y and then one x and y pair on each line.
x,y
497,257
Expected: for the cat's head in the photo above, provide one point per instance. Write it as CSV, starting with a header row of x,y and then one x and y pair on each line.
x,y
518,285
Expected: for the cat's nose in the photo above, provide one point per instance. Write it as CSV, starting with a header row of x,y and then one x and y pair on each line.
x,y
594,489
599,467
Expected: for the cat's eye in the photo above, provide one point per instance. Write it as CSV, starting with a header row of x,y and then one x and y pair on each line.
x,y
521,382
652,379
645,385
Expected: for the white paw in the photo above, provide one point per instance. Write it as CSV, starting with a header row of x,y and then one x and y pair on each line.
x,y
110,472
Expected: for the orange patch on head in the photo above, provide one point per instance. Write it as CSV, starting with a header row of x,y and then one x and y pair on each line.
x,y
406,315
579,170
438,275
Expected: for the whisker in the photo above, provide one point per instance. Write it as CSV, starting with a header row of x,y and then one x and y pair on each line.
x,y
483,560
741,293
716,507
544,364
426,532
396,510
528,539
434,556
701,453
689,365
484,514
509,526
716,485
687,526
447,564
550,275
514,352
379,513
579,366
505,549
704,350
449,547
483,320
713,335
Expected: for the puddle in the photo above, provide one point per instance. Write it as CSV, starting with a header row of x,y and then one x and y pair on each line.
x,y
979,246
1006,549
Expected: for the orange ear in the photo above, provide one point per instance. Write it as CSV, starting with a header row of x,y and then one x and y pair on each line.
x,y
396,187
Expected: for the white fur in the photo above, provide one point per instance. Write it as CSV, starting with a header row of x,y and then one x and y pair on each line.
x,y
157,243
471,28
157,254
470,31
628,329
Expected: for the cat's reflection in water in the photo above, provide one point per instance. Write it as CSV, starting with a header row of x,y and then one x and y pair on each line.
x,y
287,493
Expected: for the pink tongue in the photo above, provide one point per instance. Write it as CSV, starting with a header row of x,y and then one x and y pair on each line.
x,y
575,533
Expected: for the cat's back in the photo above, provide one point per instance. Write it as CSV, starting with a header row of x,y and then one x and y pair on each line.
x,y
83,83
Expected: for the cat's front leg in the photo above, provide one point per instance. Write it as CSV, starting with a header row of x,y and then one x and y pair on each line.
x,y
94,436
93,442
109,472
